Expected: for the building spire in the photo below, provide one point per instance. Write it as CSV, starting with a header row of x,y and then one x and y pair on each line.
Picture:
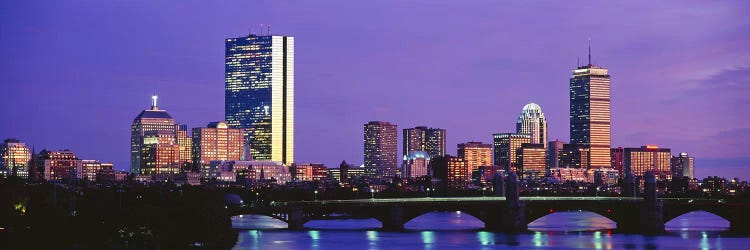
x,y
154,98
589,51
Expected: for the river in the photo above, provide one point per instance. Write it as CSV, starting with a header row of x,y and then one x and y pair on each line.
x,y
455,230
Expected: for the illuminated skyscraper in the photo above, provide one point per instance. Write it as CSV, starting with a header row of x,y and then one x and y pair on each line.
x,y
259,93
15,158
683,165
216,142
381,149
531,161
590,113
505,147
532,122
161,154
186,147
475,154
148,120
430,140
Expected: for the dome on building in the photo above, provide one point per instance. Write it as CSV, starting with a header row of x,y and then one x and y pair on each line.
x,y
532,107
531,110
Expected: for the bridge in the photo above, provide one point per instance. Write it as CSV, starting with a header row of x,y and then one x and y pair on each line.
x,y
510,213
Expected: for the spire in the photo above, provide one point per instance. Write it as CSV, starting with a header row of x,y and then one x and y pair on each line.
x,y
154,98
589,51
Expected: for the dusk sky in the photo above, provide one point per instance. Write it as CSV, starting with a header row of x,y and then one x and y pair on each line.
x,y
74,74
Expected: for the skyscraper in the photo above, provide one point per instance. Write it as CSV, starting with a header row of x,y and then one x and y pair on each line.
x,y
590,113
152,119
648,158
259,93
505,147
186,147
15,158
683,165
430,140
532,122
381,149
475,154
416,164
161,154
531,161
216,142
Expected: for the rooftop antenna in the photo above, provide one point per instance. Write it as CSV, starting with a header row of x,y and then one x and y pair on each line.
x,y
154,98
578,61
261,29
589,51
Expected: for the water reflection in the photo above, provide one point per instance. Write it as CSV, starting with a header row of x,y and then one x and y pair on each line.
x,y
461,231
697,221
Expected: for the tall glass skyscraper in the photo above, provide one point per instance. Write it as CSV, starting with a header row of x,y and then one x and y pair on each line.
x,y
532,122
430,140
148,120
381,148
259,94
590,113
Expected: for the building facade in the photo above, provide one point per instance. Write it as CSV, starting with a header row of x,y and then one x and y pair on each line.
x,y
259,93
618,160
476,154
309,172
60,165
590,121
554,149
532,122
574,156
186,147
216,142
416,164
148,120
505,147
380,149
458,172
161,154
532,161
430,140
15,159
91,168
648,158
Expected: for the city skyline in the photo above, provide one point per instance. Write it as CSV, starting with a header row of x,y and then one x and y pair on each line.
x,y
332,108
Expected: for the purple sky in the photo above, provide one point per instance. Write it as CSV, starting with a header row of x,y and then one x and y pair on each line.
x,y
74,74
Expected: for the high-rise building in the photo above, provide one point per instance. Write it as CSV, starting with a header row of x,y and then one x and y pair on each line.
x,y
381,148
16,158
161,154
532,122
590,113
148,120
532,161
430,140
683,165
416,164
259,93
458,172
476,154
617,157
309,171
505,146
216,142
648,158
554,149
63,164
186,147
574,156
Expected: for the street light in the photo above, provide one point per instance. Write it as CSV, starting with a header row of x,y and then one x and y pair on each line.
x,y
484,189
257,197
316,194
597,191
428,192
372,193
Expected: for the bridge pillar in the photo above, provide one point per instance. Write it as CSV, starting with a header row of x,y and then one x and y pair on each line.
x,y
646,217
739,222
296,219
512,214
394,219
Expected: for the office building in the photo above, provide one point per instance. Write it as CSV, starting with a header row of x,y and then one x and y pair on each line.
x,y
148,120
683,165
380,149
91,168
648,158
185,142
568,174
617,156
309,172
60,165
532,122
416,164
532,161
554,149
16,159
476,154
458,172
430,140
486,174
590,113
259,94
161,154
574,156
505,146
216,142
